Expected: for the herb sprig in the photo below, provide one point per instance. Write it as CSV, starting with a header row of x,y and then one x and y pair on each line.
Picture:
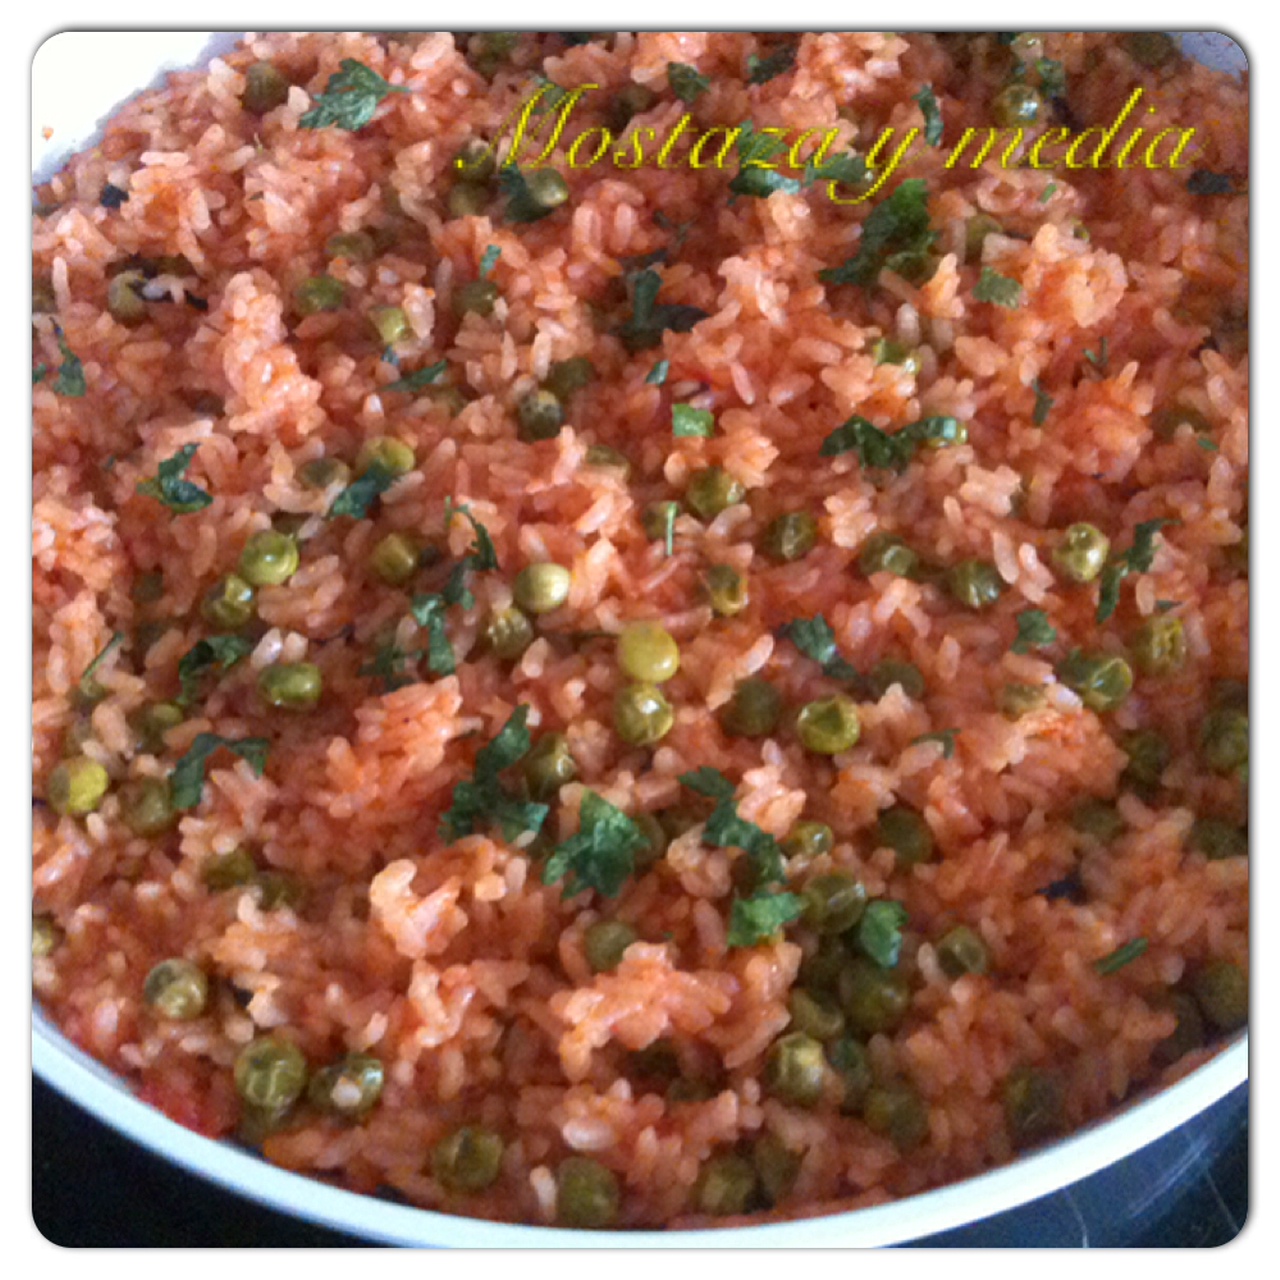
x,y
482,799
1138,559
350,98
896,235
186,781
650,318
601,855
815,639
168,487
879,451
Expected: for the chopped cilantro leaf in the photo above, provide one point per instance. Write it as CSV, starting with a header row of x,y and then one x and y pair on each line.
x,y
999,290
112,196
1120,957
658,374
522,206
815,639
879,451
1101,358
709,782
762,70
221,652
753,178
1203,182
845,168
179,495
602,854
350,98
489,260
726,830
186,781
686,82
356,498
419,378
388,664
758,918
39,373
70,381
896,227
1047,194
88,688
1210,446
880,931
1138,559
686,421
649,318
1034,631
932,113
1044,402
482,799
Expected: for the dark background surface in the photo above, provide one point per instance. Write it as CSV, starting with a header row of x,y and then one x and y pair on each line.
x,y
91,1187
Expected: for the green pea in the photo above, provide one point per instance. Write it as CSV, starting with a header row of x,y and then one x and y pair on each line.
x,y
230,604
549,766
587,1194
476,298
349,1087
269,558
508,634
265,88
816,1013
468,200
887,553
886,351
547,189
821,969
648,652
1082,552
887,672
1150,49
1217,839
542,588
1160,647
1221,989
1098,819
975,584
976,231
77,786
603,458
777,1167
1188,1033
354,246
1102,680
753,710
875,1000
641,715
726,590
46,937
146,807
961,950
834,903
1018,700
848,1058
387,452
275,889
322,473
475,161
1149,755
391,324
711,491
656,841
829,725
605,943
176,989
152,721
726,1186
232,870
1230,693
790,536
897,1112
795,1070
540,415
1224,740
291,686
1017,104
270,1074
567,377
630,101
394,559
124,298
1033,1106
907,833
316,294
809,840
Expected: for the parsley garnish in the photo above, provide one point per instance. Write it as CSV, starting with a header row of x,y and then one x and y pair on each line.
x,y
879,451
649,318
489,260
418,379
815,639
1101,358
355,499
186,782
89,689
1044,402
686,421
946,738
726,830
658,374
1138,559
897,228
222,652
601,856
1120,957
847,168
483,799
753,179
350,98
112,196
880,931
686,82
179,495
997,289
70,381
758,918
762,70
1034,631
932,113
1203,182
